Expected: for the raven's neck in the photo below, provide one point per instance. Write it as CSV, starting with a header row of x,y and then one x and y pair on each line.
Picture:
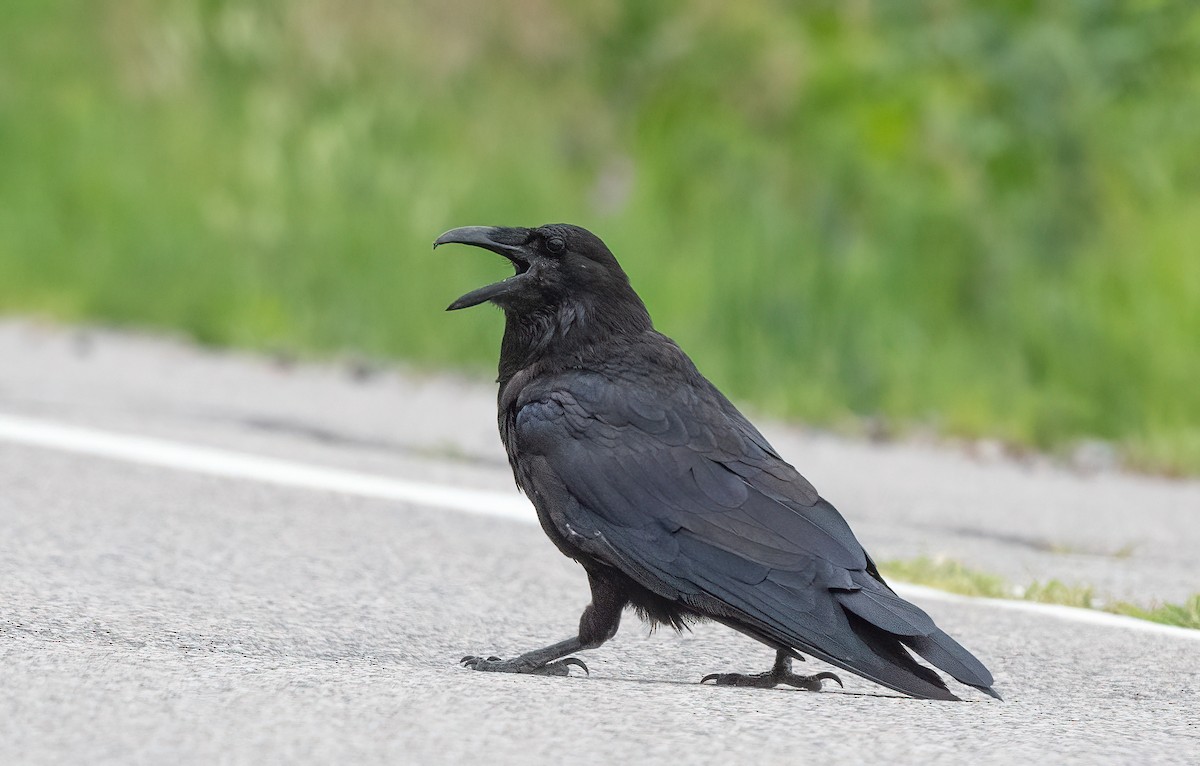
x,y
568,335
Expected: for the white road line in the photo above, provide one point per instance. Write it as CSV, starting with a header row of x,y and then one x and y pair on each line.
x,y
508,505
1072,613
240,465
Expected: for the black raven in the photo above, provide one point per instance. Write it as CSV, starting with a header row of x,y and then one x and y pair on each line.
x,y
644,473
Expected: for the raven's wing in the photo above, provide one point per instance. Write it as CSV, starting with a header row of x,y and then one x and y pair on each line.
x,y
679,491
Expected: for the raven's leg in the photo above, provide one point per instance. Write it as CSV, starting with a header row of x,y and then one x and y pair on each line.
x,y
780,673
598,624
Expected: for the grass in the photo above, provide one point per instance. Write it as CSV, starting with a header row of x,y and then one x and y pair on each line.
x,y
952,576
955,215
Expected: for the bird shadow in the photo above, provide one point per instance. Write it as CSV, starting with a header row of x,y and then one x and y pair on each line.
x,y
777,690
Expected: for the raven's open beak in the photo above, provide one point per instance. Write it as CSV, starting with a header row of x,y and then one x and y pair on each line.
x,y
506,241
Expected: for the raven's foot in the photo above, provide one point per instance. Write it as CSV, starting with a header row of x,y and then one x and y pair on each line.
x,y
781,673
519,665
771,679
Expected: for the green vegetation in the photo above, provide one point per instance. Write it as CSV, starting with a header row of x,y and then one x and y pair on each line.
x,y
948,575
952,576
1185,615
974,217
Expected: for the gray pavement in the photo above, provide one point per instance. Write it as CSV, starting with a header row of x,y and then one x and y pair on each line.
x,y
150,615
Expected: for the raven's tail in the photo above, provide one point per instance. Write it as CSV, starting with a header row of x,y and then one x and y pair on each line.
x,y
887,624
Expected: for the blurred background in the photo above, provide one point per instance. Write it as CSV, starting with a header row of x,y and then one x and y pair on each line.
x,y
946,217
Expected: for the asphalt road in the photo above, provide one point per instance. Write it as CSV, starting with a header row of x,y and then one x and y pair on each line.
x,y
151,614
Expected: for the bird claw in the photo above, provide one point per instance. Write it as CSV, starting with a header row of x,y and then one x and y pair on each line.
x,y
825,676
496,665
569,661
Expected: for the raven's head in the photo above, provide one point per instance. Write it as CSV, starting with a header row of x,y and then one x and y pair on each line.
x,y
556,265
568,293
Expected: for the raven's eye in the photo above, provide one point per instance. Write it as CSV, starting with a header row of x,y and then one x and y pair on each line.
x,y
555,244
